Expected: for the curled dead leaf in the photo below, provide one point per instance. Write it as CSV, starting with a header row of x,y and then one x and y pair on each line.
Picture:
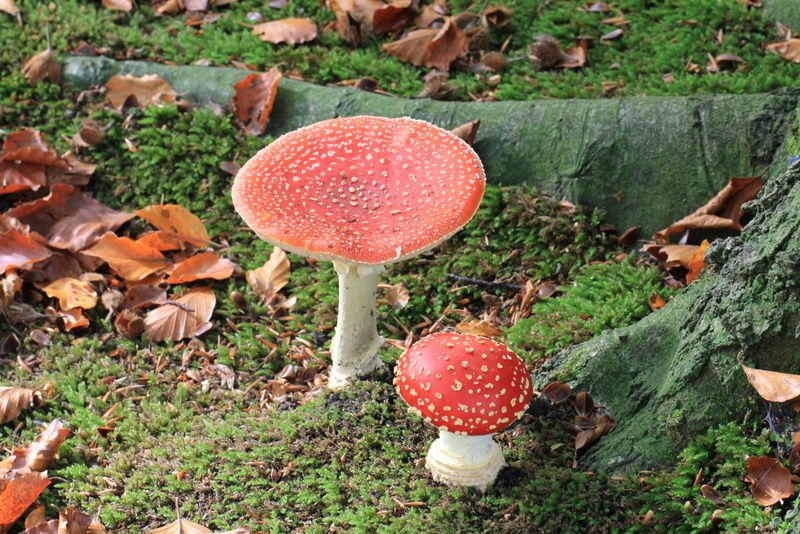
x,y
200,267
72,293
557,392
178,222
478,328
29,146
788,49
602,426
271,277
253,99
13,401
396,295
42,66
697,263
38,455
20,250
187,316
467,131
769,480
436,48
773,386
151,89
711,493
129,259
290,31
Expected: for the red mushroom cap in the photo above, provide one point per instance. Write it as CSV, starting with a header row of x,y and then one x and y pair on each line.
x,y
366,190
464,383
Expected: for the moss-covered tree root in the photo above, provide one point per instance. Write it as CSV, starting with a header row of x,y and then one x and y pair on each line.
x,y
641,159
676,373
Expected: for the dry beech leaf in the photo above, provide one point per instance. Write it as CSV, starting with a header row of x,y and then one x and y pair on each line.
x,y
19,250
29,146
144,296
788,49
253,99
497,16
36,516
396,295
129,324
546,53
178,222
20,176
10,7
478,328
159,240
199,267
129,259
769,480
182,526
724,211
17,492
140,92
467,131
290,31
184,317
14,400
673,256
72,293
602,426
38,455
42,66
395,15
557,392
656,302
68,218
436,48
584,405
354,18
118,5
697,263
711,493
73,319
271,277
89,134
170,7
773,386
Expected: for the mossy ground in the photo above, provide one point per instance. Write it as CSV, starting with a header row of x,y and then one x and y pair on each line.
x,y
339,462
657,42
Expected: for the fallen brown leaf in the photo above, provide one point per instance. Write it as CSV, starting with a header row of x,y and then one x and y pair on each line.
x,y
14,400
788,49
354,18
140,92
397,295
144,296
20,176
72,293
29,146
38,455
199,267
68,218
769,480
182,526
253,99
673,256
129,259
118,5
557,392
478,328
178,222
290,31
497,16
169,7
271,277
20,250
711,493
10,7
546,53
656,302
468,131
602,425
42,66
73,319
17,492
395,15
436,48
89,134
773,386
697,263
159,240
184,317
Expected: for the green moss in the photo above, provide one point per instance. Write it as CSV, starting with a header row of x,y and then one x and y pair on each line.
x,y
603,296
655,43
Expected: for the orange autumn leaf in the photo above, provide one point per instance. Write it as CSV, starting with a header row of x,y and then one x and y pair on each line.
x,y
140,92
17,492
178,222
199,267
118,5
697,263
159,240
73,319
430,47
253,99
722,212
42,66
769,480
180,318
673,256
788,49
19,176
131,260
773,386
290,31
478,328
72,293
19,250
656,302
69,218
38,455
29,146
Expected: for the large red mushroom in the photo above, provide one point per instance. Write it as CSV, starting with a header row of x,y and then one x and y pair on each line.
x,y
363,192
470,387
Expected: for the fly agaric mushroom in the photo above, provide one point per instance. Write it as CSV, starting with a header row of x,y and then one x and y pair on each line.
x,y
363,192
470,387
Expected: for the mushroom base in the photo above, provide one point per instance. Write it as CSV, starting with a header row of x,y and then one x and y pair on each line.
x,y
458,460
354,348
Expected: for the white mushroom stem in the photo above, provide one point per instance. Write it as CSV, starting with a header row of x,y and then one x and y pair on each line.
x,y
459,460
354,349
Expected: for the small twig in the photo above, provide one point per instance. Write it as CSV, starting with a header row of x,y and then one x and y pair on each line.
x,y
180,305
47,36
483,283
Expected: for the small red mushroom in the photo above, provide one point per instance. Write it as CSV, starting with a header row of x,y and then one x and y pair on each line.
x,y
470,387
363,192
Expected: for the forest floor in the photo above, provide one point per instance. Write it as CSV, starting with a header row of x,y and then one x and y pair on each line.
x,y
226,427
